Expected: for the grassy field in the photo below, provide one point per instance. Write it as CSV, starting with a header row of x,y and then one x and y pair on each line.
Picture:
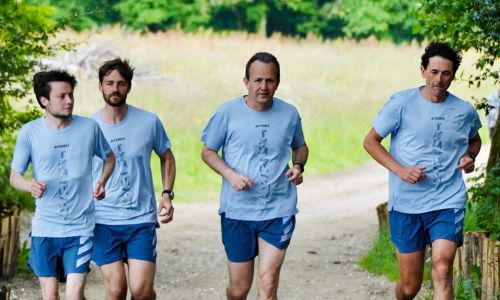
x,y
338,87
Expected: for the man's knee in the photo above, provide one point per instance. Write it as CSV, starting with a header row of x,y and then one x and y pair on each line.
x,y
268,282
117,292
143,293
442,271
408,289
238,289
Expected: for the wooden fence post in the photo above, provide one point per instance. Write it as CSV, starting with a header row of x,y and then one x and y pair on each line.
x,y
9,239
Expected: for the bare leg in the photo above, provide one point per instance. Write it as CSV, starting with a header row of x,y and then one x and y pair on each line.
x,y
443,254
240,280
75,286
269,266
115,280
49,287
141,279
411,270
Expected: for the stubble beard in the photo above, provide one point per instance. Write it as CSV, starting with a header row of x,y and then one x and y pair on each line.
x,y
120,102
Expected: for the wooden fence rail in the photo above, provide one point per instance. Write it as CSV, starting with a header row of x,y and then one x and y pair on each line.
x,y
483,253
9,240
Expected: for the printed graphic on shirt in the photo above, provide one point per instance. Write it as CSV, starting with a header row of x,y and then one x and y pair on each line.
x,y
438,149
264,172
125,183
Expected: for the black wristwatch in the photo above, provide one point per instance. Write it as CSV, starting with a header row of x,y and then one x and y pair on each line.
x,y
301,166
171,193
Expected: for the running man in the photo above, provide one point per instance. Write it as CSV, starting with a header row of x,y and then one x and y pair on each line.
x,y
259,197
60,147
434,137
127,219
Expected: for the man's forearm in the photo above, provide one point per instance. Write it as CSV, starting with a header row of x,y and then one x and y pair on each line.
x,y
300,154
215,162
168,170
107,168
19,182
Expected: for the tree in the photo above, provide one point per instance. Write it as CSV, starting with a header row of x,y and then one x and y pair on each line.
x,y
384,19
24,34
469,24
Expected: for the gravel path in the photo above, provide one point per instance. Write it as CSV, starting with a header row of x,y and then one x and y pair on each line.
x,y
335,226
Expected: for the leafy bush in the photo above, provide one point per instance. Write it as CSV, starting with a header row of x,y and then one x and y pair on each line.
x,y
483,205
24,38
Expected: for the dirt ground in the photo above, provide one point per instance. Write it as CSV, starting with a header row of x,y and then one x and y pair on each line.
x,y
335,226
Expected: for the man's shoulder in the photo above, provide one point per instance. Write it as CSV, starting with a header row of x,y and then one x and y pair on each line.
x,y
461,103
230,104
84,121
139,113
403,95
282,104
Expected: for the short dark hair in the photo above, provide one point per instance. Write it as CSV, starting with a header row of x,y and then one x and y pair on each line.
x,y
445,51
41,82
264,57
121,65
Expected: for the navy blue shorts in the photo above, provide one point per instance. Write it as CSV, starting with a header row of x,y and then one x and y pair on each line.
x,y
412,232
48,255
240,238
121,242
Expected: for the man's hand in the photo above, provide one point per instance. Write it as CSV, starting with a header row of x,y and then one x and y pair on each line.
x,y
37,188
240,182
165,209
411,174
99,192
466,163
294,175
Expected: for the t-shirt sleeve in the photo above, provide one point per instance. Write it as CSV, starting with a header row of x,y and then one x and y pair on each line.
x,y
475,122
298,135
214,133
161,142
388,118
22,152
101,145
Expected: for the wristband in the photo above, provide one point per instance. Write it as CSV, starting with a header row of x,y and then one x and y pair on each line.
x,y
169,192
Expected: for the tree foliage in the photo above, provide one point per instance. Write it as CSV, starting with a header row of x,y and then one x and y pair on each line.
x,y
384,19
24,34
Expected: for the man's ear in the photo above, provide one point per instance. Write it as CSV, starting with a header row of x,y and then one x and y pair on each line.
x,y
44,101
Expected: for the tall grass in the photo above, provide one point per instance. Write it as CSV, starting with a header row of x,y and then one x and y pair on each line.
x,y
338,86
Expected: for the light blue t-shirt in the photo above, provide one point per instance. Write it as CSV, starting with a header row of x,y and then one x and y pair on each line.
x,y
130,196
432,135
257,145
63,160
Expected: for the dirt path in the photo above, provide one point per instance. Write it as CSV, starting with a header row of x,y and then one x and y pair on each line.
x,y
336,224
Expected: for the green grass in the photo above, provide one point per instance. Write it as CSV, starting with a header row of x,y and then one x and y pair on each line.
x,y
381,258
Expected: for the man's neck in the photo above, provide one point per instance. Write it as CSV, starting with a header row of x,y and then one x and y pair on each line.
x,y
57,123
114,114
432,97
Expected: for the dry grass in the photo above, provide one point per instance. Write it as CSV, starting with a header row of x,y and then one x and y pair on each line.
x,y
337,85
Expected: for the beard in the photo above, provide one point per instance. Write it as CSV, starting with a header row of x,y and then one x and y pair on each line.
x,y
115,103
63,117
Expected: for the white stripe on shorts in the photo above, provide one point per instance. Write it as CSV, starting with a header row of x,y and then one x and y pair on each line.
x,y
83,260
85,248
